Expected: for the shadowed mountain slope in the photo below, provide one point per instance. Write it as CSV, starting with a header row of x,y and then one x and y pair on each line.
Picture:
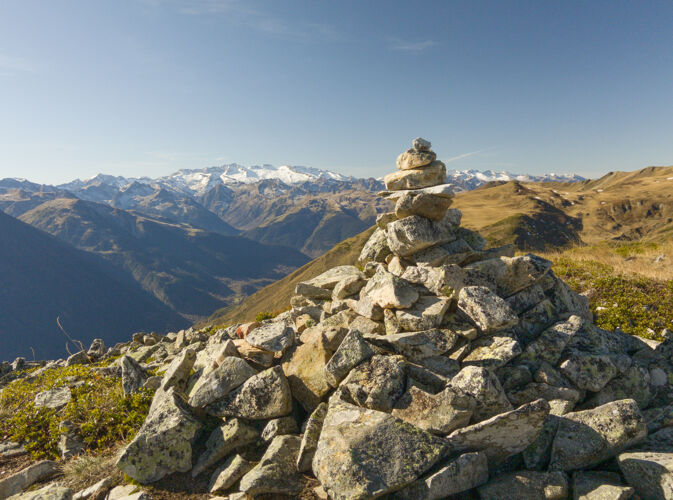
x,y
44,278
190,270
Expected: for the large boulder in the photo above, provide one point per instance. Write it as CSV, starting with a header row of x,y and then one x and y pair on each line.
x,y
488,311
231,435
273,337
415,158
305,371
485,388
650,473
163,444
425,205
587,438
231,373
352,351
439,413
389,291
367,453
416,346
414,233
428,312
377,383
133,375
503,435
276,473
416,178
263,396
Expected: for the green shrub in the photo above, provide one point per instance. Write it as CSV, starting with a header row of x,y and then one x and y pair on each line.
x,y
635,304
262,316
98,407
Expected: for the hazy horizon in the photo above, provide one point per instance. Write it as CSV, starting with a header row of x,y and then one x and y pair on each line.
x,y
148,87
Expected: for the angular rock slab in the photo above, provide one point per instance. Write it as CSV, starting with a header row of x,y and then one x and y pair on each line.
x,y
467,471
178,371
550,344
488,311
133,375
229,436
376,249
163,444
428,312
526,485
415,158
225,476
439,413
305,371
414,233
352,351
587,371
309,440
377,383
53,398
366,453
273,337
587,438
503,435
276,472
485,388
650,473
263,396
416,346
389,291
425,205
14,484
416,178
599,485
231,373
49,492
492,352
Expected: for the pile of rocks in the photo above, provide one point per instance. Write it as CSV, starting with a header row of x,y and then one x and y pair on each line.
x,y
435,368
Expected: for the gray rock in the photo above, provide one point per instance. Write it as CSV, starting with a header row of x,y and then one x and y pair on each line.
x,y
276,472
416,178
309,440
416,346
425,205
330,278
599,485
492,352
505,434
79,358
368,308
133,375
459,475
389,291
413,234
376,249
231,435
19,481
415,158
488,311
649,473
96,491
587,438
658,417
366,453
439,413
439,190
349,286
352,351
367,326
263,396
215,385
633,383
163,444
305,372
97,348
225,476
526,298
178,371
513,274
274,337
485,388
536,390
421,144
49,492
10,449
430,277
551,343
376,384
589,371
279,427
526,485
428,312
312,291
69,443
53,398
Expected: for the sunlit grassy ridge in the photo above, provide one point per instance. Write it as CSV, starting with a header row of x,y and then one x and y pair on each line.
x,y
630,286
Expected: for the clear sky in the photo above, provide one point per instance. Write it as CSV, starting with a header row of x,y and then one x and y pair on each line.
x,y
144,87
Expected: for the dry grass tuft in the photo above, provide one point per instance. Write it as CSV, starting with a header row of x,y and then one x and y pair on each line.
x,y
85,470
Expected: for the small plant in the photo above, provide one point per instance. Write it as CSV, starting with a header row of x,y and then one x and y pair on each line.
x,y
263,316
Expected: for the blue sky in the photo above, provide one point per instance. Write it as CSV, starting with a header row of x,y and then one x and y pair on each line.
x,y
144,87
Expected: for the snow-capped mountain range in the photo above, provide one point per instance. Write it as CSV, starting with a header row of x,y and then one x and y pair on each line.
x,y
197,182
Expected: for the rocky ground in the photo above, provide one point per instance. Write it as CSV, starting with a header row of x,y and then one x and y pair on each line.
x,y
436,369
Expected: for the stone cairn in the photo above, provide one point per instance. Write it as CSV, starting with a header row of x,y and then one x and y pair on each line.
x,y
435,368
